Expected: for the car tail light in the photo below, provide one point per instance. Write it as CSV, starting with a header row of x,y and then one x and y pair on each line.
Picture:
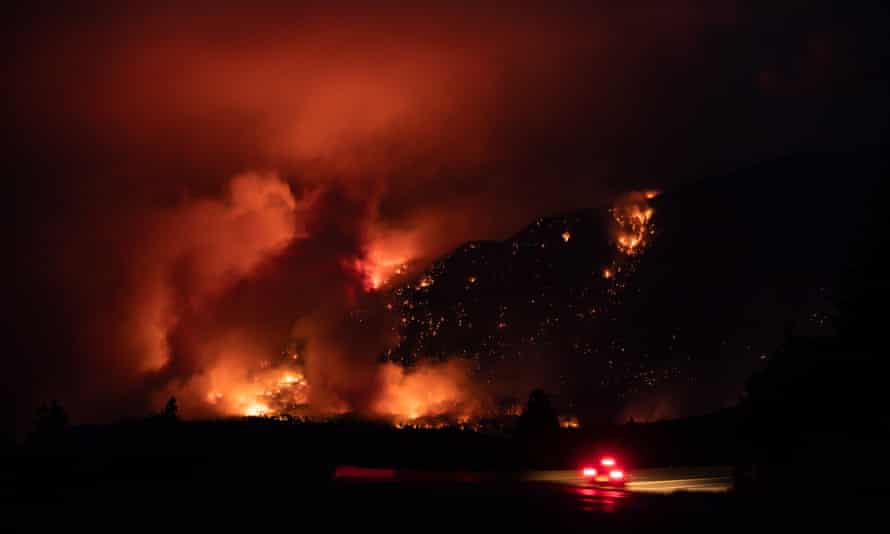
x,y
616,474
588,472
608,461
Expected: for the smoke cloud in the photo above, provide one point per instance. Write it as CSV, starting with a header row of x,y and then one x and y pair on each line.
x,y
208,194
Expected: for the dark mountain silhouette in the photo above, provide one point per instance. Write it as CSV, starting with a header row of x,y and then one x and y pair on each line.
x,y
737,263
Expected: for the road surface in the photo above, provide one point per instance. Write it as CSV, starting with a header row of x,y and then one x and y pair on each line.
x,y
714,479
269,498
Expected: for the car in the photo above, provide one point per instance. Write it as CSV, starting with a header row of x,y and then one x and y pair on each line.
x,y
607,472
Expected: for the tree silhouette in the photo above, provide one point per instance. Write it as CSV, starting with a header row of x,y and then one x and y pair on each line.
x,y
538,416
171,410
51,419
823,396
49,427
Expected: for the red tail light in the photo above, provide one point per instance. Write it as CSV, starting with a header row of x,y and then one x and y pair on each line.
x,y
588,472
616,474
608,461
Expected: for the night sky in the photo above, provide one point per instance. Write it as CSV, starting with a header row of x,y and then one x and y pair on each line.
x,y
405,212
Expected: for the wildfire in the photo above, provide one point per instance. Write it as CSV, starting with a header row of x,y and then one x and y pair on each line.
x,y
256,409
633,226
429,394
376,274
388,255
427,391
289,379
273,389
632,230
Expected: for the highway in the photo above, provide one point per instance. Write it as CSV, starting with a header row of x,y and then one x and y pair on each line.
x,y
712,479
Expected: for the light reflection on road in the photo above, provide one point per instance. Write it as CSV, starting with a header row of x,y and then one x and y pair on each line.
x,y
586,497
594,499
716,479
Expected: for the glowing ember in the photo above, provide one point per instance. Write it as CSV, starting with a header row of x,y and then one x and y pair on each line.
x,y
569,421
607,273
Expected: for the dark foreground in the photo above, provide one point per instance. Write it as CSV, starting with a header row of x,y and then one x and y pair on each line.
x,y
283,496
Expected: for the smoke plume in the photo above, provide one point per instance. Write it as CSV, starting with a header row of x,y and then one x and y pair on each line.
x,y
211,201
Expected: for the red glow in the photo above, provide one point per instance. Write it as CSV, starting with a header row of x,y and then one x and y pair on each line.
x,y
608,461
589,472
616,474
349,471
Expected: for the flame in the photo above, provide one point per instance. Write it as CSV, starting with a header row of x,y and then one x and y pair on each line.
x,y
289,379
407,396
377,273
256,409
632,229
569,421
233,386
566,236
632,217
429,390
388,254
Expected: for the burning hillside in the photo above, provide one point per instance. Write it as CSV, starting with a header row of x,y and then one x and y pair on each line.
x,y
200,195
431,386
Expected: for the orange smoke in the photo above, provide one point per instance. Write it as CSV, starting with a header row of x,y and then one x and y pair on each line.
x,y
391,139
429,390
199,250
